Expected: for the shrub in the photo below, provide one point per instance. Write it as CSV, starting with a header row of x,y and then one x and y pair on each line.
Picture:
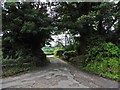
x,y
104,60
103,51
69,54
59,52
94,40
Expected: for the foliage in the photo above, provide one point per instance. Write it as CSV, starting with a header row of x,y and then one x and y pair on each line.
x,y
94,22
108,69
104,60
103,51
22,63
69,47
21,59
12,67
59,52
14,70
69,54
26,28
89,18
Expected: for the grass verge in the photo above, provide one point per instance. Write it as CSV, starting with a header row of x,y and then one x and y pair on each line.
x,y
17,70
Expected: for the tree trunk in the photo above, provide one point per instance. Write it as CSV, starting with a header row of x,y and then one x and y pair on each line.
x,y
100,28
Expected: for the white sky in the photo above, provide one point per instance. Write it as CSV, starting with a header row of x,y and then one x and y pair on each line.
x,y
60,37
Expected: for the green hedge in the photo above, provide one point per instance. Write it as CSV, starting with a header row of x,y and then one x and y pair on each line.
x,y
59,52
103,51
68,54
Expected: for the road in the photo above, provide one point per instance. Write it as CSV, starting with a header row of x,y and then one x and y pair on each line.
x,y
58,74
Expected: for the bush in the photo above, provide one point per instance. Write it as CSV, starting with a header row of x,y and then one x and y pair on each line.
x,y
68,54
103,51
94,40
104,60
59,52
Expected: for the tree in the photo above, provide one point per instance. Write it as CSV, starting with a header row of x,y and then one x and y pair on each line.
x,y
26,27
87,19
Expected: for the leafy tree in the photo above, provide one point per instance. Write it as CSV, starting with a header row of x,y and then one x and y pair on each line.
x,y
26,27
87,18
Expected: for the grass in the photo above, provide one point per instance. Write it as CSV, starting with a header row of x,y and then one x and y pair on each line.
x,y
48,50
14,71
8,70
19,69
49,53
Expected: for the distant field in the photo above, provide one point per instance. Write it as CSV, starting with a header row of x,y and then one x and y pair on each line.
x,y
49,53
48,50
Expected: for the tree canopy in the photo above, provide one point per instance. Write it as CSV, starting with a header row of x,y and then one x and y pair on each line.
x,y
28,26
89,19
25,25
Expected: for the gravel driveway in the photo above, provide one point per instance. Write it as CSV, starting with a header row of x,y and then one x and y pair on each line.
x,y
58,74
